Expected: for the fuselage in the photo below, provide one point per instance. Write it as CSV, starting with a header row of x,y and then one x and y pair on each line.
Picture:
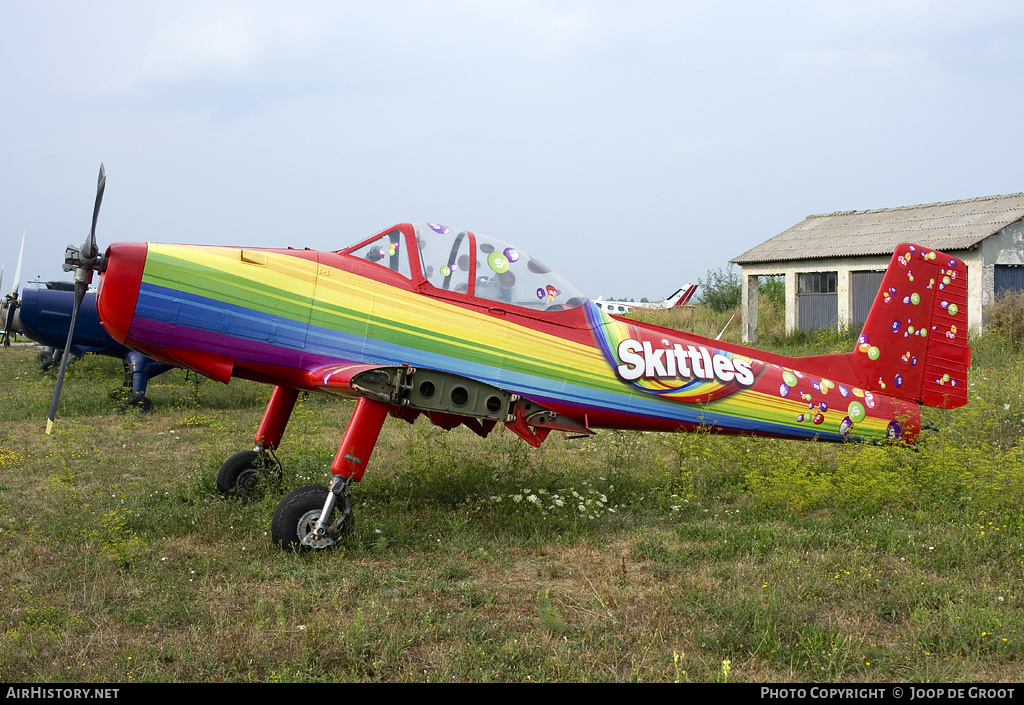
x,y
45,314
278,315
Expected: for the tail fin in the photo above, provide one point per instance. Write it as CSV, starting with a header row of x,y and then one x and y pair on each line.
x,y
685,294
914,342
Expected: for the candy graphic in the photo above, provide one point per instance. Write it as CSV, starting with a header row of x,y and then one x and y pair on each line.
x,y
511,254
844,426
498,262
856,412
789,378
442,229
952,309
783,390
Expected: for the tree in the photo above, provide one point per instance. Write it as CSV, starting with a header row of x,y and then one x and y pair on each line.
x,y
720,289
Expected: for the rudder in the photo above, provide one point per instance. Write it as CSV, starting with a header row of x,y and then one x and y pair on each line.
x,y
914,341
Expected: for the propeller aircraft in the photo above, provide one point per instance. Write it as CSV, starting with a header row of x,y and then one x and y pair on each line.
x,y
464,329
680,297
44,314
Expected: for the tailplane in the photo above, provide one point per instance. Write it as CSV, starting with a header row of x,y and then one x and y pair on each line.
x,y
914,341
684,295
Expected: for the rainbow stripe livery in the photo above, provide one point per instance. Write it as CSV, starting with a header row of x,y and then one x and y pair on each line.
x,y
421,319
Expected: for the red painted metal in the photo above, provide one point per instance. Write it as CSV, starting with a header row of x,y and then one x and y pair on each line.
x,y
360,438
275,418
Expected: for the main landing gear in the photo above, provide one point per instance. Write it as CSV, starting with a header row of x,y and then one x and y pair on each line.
x,y
315,516
241,475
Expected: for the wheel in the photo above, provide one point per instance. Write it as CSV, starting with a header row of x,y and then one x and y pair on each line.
x,y
45,359
295,516
137,401
240,475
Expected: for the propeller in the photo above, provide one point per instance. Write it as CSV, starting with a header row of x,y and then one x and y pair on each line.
x,y
10,301
83,261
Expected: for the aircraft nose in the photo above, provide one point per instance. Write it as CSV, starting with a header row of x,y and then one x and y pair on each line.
x,y
119,288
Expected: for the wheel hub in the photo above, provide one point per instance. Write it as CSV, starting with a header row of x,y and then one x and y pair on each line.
x,y
245,485
305,530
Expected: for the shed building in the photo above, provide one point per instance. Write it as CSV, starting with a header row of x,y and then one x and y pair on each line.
x,y
833,263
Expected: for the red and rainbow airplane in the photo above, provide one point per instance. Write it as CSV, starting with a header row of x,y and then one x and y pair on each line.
x,y
422,319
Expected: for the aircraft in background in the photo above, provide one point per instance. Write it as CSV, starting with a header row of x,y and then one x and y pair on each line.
x,y
9,303
678,298
43,315
464,329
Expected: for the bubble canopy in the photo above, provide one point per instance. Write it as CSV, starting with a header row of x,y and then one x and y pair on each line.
x,y
463,262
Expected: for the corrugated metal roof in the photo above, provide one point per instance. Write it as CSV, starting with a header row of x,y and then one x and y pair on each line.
x,y
952,225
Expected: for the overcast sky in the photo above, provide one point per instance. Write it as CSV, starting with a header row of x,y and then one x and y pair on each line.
x,y
630,146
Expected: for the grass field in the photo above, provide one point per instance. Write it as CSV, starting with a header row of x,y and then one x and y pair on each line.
x,y
624,557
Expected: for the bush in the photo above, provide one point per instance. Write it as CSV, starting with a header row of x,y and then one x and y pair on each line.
x,y
720,289
1007,318
773,288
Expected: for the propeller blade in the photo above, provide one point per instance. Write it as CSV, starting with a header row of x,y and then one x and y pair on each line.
x,y
80,288
89,248
84,261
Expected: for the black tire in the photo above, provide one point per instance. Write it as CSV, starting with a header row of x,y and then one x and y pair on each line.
x,y
244,475
295,515
45,360
239,476
137,401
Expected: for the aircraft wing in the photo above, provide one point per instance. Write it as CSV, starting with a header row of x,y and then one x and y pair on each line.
x,y
447,399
